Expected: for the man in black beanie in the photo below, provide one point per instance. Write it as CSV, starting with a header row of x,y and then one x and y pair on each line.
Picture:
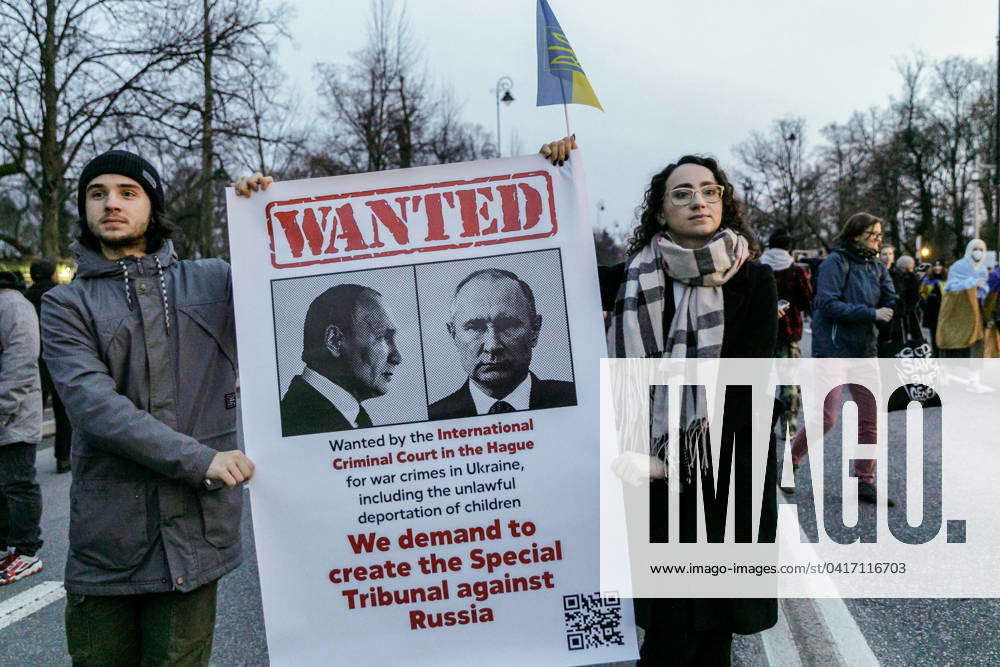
x,y
141,347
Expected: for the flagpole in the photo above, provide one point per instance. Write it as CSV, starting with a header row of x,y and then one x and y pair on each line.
x,y
562,87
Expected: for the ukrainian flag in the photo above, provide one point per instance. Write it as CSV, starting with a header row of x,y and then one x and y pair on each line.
x,y
560,77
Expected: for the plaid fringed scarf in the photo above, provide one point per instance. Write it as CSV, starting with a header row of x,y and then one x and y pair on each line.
x,y
695,330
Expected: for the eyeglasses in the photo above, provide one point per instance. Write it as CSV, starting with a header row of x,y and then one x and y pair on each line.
x,y
874,235
684,196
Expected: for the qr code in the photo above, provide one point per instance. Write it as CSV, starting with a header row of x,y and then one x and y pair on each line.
x,y
593,620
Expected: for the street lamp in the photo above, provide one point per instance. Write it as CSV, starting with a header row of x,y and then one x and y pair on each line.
x,y
504,84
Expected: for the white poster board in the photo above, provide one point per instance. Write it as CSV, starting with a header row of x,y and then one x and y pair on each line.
x,y
431,537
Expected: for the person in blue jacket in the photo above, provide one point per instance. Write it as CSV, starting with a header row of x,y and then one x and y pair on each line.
x,y
853,292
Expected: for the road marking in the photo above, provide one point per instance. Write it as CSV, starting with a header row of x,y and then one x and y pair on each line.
x,y
820,627
850,641
27,603
779,645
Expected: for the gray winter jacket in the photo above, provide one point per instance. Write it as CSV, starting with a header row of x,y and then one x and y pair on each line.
x,y
20,390
142,352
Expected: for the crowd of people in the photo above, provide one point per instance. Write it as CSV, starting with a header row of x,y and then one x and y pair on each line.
x,y
156,507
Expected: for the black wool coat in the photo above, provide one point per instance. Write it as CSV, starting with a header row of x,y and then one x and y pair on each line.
x,y
750,300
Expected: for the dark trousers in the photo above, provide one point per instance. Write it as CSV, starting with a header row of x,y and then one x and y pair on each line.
x,y
20,499
671,646
64,432
146,629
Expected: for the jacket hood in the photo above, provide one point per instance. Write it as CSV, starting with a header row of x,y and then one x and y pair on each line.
x,y
852,252
93,265
972,245
777,258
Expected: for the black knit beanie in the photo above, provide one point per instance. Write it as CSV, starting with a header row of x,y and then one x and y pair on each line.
x,y
780,239
126,164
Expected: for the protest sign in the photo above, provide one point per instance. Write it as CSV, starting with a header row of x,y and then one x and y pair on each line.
x,y
419,370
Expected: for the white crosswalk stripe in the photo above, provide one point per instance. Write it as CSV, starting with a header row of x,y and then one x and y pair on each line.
x,y
27,603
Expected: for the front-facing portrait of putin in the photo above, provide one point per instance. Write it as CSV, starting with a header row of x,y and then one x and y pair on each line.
x,y
495,327
350,355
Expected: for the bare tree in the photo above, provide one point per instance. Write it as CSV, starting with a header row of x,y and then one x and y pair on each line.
x,y
918,142
956,87
70,72
982,130
786,184
223,105
374,102
383,112
845,159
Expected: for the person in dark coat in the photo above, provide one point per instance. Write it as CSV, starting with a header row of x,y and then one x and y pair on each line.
x,y
904,328
43,273
495,326
349,347
930,297
795,290
142,350
692,248
854,292
906,315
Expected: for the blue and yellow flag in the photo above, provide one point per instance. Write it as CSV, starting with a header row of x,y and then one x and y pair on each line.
x,y
560,77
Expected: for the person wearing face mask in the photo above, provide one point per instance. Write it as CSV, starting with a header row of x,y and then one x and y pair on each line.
x,y
930,297
690,288
970,271
960,327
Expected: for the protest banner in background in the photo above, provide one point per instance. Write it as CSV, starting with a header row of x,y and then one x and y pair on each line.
x,y
431,523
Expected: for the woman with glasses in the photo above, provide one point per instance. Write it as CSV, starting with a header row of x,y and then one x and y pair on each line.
x,y
853,293
690,288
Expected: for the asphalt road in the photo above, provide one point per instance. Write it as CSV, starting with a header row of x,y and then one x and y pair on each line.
x,y
39,639
925,631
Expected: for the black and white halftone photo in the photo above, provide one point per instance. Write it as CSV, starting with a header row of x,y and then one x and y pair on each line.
x,y
496,335
348,351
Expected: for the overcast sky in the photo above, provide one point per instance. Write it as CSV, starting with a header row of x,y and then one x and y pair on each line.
x,y
674,76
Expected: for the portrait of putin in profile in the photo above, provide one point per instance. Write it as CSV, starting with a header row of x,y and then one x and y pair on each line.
x,y
349,348
495,326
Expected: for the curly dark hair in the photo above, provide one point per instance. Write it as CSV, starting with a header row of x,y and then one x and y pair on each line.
x,y
650,214
159,230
